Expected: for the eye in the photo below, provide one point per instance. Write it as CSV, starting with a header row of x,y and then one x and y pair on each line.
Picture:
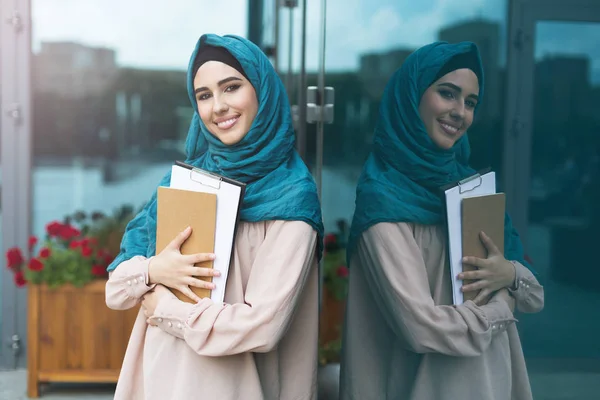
x,y
470,104
446,94
203,96
232,88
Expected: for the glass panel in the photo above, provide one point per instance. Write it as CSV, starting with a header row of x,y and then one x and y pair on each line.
x,y
110,107
360,61
564,212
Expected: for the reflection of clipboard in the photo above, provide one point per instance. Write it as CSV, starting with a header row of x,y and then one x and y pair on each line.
x,y
466,218
178,209
229,196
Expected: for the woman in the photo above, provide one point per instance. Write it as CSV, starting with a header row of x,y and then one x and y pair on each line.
x,y
403,338
261,343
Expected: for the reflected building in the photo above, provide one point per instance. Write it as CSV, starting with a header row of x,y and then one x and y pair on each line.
x,y
69,69
486,35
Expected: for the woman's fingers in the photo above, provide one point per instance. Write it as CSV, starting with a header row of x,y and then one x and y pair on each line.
x,y
188,292
180,238
475,286
483,297
198,258
473,275
199,271
199,283
476,262
489,244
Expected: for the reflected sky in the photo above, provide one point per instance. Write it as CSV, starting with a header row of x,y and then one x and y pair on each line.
x,y
162,34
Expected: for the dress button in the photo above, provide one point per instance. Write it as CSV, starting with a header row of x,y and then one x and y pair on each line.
x,y
170,324
129,283
178,326
494,326
160,320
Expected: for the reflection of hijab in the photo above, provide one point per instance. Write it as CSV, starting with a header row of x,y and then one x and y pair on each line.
x,y
279,186
401,179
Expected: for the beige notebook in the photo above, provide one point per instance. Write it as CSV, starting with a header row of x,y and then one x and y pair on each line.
x,y
178,209
481,213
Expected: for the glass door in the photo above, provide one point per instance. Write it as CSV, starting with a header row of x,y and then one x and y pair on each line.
x,y
554,80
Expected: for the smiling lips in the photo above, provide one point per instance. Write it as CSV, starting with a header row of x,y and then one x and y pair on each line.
x,y
227,122
449,129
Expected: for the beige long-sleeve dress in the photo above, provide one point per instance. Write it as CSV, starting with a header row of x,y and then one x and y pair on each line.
x,y
403,338
260,344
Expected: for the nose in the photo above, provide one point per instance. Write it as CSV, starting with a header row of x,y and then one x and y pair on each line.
x,y
219,105
458,112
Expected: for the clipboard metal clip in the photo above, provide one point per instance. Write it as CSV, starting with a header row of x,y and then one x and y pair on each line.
x,y
462,190
212,181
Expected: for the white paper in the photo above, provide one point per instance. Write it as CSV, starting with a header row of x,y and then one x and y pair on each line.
x,y
228,198
485,185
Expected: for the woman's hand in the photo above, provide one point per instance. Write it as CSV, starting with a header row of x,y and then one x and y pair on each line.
x,y
150,301
493,273
175,270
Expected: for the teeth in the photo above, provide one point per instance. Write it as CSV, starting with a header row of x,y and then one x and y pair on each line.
x,y
450,128
225,124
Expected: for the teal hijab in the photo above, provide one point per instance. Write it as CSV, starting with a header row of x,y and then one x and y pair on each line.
x,y
279,186
401,179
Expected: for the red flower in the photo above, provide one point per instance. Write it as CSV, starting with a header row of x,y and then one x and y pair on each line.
x,y
89,241
98,270
342,271
54,228
35,265
14,258
330,239
20,279
86,251
68,232
32,242
108,259
45,252
103,256
75,244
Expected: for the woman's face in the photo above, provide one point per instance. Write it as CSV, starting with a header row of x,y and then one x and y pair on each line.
x,y
448,105
226,101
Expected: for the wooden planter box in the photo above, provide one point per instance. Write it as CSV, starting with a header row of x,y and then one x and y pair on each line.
x,y
73,336
331,318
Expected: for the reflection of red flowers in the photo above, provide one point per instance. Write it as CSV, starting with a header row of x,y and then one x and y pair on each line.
x,y
86,251
528,259
32,242
342,271
14,258
20,279
98,270
45,252
35,265
330,239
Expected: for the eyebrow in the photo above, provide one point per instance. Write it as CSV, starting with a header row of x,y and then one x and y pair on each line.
x,y
458,89
220,83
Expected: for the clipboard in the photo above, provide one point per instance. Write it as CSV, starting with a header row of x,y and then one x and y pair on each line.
x,y
485,210
229,197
